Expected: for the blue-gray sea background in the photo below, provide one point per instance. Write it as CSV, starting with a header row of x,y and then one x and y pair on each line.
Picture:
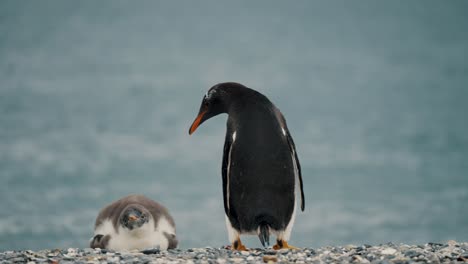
x,y
96,98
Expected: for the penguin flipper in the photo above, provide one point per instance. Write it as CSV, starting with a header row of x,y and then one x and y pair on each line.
x,y
225,171
298,166
99,241
292,148
171,240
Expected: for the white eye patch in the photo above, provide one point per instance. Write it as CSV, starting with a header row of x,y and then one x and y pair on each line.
x,y
210,92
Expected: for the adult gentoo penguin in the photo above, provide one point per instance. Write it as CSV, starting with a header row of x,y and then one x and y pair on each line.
x,y
260,167
134,222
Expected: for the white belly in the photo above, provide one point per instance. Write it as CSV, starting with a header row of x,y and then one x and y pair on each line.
x,y
141,238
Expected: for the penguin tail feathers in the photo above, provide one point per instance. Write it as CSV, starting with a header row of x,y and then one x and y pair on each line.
x,y
264,234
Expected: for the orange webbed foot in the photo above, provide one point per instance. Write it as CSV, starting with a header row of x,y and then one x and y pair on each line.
x,y
282,244
237,245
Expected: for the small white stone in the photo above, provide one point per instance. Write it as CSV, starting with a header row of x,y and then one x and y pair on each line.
x,y
250,258
389,251
245,253
451,242
361,259
237,260
220,261
114,259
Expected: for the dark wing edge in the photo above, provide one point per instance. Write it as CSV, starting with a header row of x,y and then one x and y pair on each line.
x,y
172,240
298,166
99,241
292,148
226,150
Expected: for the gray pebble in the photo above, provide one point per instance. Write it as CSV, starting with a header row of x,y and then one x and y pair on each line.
x,y
385,253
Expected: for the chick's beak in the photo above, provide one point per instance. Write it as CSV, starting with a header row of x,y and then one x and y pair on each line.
x,y
132,218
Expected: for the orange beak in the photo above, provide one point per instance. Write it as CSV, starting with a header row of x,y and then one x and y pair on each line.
x,y
132,218
197,122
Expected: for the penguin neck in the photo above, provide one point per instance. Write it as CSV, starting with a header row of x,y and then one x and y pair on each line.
x,y
245,103
236,100
247,108
247,115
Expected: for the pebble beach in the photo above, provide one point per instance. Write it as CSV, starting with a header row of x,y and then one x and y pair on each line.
x,y
449,252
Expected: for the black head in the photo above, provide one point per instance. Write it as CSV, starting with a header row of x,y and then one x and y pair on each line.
x,y
134,216
217,101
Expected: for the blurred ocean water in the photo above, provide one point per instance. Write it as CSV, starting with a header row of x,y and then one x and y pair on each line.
x,y
96,99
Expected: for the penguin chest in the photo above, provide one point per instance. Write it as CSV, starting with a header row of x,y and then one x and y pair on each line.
x,y
138,239
146,236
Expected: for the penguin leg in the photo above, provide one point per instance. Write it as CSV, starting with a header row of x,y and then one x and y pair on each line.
x,y
282,240
237,245
234,237
283,236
